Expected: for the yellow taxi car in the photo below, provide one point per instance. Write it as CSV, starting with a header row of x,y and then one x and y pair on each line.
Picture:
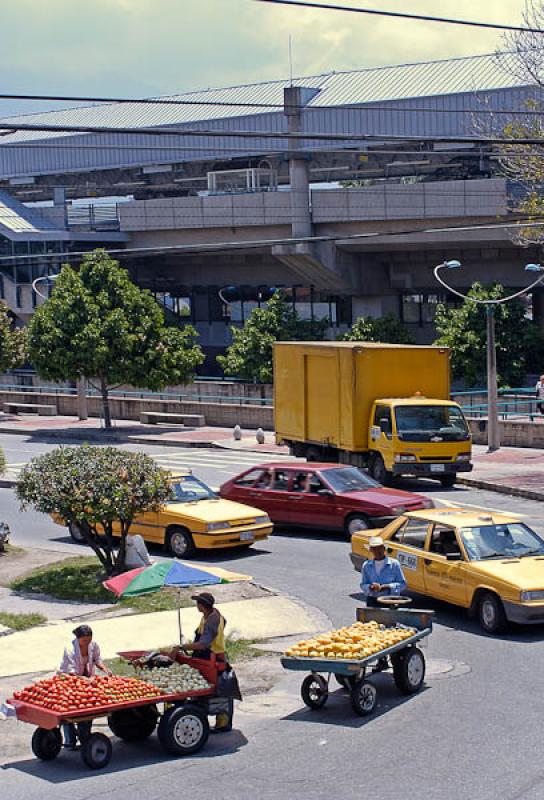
x,y
489,563
196,518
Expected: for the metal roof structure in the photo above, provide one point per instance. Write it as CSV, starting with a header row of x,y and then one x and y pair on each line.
x,y
17,221
339,102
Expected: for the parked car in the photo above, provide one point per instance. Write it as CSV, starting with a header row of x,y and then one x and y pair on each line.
x,y
195,519
328,496
490,564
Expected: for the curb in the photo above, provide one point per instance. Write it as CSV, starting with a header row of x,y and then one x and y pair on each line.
x,y
515,491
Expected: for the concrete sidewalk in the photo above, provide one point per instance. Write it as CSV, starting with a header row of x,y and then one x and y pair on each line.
x,y
517,471
40,649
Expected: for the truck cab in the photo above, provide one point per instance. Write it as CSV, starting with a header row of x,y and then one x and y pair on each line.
x,y
418,436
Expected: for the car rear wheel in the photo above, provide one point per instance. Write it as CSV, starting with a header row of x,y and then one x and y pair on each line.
x,y
491,614
355,523
180,543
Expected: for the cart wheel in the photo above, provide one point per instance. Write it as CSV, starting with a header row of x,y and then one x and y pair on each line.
x,y
183,730
134,724
96,751
345,681
46,744
314,691
364,697
409,670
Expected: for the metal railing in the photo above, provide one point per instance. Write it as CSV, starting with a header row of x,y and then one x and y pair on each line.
x,y
143,395
94,217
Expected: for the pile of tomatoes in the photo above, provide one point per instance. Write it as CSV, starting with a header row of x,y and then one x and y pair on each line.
x,y
65,693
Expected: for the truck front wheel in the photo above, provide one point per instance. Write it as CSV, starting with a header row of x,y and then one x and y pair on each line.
x,y
377,469
448,481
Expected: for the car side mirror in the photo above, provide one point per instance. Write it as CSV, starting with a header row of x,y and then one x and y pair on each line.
x,y
325,492
454,557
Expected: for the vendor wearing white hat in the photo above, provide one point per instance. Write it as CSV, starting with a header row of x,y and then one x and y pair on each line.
x,y
381,575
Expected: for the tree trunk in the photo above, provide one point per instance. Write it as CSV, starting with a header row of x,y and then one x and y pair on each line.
x,y
105,402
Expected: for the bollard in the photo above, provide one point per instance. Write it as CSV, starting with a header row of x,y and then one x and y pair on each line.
x,y
237,433
259,435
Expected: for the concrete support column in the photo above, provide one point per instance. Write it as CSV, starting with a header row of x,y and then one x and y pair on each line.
x,y
538,306
299,172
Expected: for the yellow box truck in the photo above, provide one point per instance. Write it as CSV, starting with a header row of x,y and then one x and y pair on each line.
x,y
386,407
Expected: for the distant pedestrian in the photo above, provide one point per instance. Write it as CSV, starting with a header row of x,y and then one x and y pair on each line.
x,y
539,388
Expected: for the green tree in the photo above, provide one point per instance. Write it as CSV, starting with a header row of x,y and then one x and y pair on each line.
x,y
250,354
385,329
12,341
463,330
99,325
93,488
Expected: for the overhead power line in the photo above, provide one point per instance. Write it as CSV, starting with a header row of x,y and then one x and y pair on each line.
x,y
259,244
164,101
403,15
9,129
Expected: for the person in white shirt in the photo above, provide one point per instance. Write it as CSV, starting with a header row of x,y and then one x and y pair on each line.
x,y
136,554
539,388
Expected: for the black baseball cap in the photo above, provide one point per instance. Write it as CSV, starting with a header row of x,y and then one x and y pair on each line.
x,y
205,598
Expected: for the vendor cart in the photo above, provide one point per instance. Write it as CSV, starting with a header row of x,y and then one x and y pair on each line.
x,y
407,660
181,719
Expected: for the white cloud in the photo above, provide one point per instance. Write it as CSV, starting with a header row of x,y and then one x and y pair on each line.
x,y
143,47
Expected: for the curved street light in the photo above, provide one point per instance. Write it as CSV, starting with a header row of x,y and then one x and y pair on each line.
x,y
493,434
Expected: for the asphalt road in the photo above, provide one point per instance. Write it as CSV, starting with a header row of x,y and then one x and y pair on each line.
x,y
474,732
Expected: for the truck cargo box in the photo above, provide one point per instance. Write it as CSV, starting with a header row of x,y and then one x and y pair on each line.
x,y
323,391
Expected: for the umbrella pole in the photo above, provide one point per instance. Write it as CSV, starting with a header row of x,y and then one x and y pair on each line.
x,y
179,616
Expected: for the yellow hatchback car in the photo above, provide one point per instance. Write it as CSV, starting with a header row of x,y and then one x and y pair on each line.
x,y
197,519
491,564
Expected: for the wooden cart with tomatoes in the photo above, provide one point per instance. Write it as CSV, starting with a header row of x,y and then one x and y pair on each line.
x,y
181,719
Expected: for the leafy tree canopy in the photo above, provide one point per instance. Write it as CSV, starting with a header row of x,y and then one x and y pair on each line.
x,y
12,341
99,325
385,329
93,487
463,330
250,354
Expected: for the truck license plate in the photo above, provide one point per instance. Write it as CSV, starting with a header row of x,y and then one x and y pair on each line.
x,y
437,467
246,537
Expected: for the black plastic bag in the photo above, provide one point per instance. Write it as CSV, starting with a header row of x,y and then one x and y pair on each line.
x,y
227,684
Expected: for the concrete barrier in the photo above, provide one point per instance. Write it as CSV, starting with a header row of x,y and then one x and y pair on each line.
x,y
513,433
218,414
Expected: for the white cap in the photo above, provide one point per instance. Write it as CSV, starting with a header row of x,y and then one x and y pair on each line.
x,y
375,541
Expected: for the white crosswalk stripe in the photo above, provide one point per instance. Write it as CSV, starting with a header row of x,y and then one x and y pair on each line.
x,y
227,461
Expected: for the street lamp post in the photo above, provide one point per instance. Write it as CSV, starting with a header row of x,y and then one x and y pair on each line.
x,y
493,433
82,405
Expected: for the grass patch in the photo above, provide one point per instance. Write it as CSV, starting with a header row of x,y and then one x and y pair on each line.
x,y
81,579
21,622
237,650
10,551
72,579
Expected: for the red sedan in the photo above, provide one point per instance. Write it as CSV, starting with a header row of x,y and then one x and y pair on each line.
x,y
329,496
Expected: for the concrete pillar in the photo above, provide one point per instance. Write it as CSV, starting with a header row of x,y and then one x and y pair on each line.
x,y
299,172
538,306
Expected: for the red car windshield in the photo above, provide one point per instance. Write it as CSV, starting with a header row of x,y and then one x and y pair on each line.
x,y
348,479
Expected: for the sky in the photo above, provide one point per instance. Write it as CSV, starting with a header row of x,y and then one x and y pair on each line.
x,y
143,48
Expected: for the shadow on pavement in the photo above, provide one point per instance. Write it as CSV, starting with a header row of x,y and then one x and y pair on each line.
x,y
69,766
338,710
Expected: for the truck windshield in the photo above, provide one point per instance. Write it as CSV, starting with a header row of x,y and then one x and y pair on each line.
x,y
513,539
348,479
189,489
430,424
